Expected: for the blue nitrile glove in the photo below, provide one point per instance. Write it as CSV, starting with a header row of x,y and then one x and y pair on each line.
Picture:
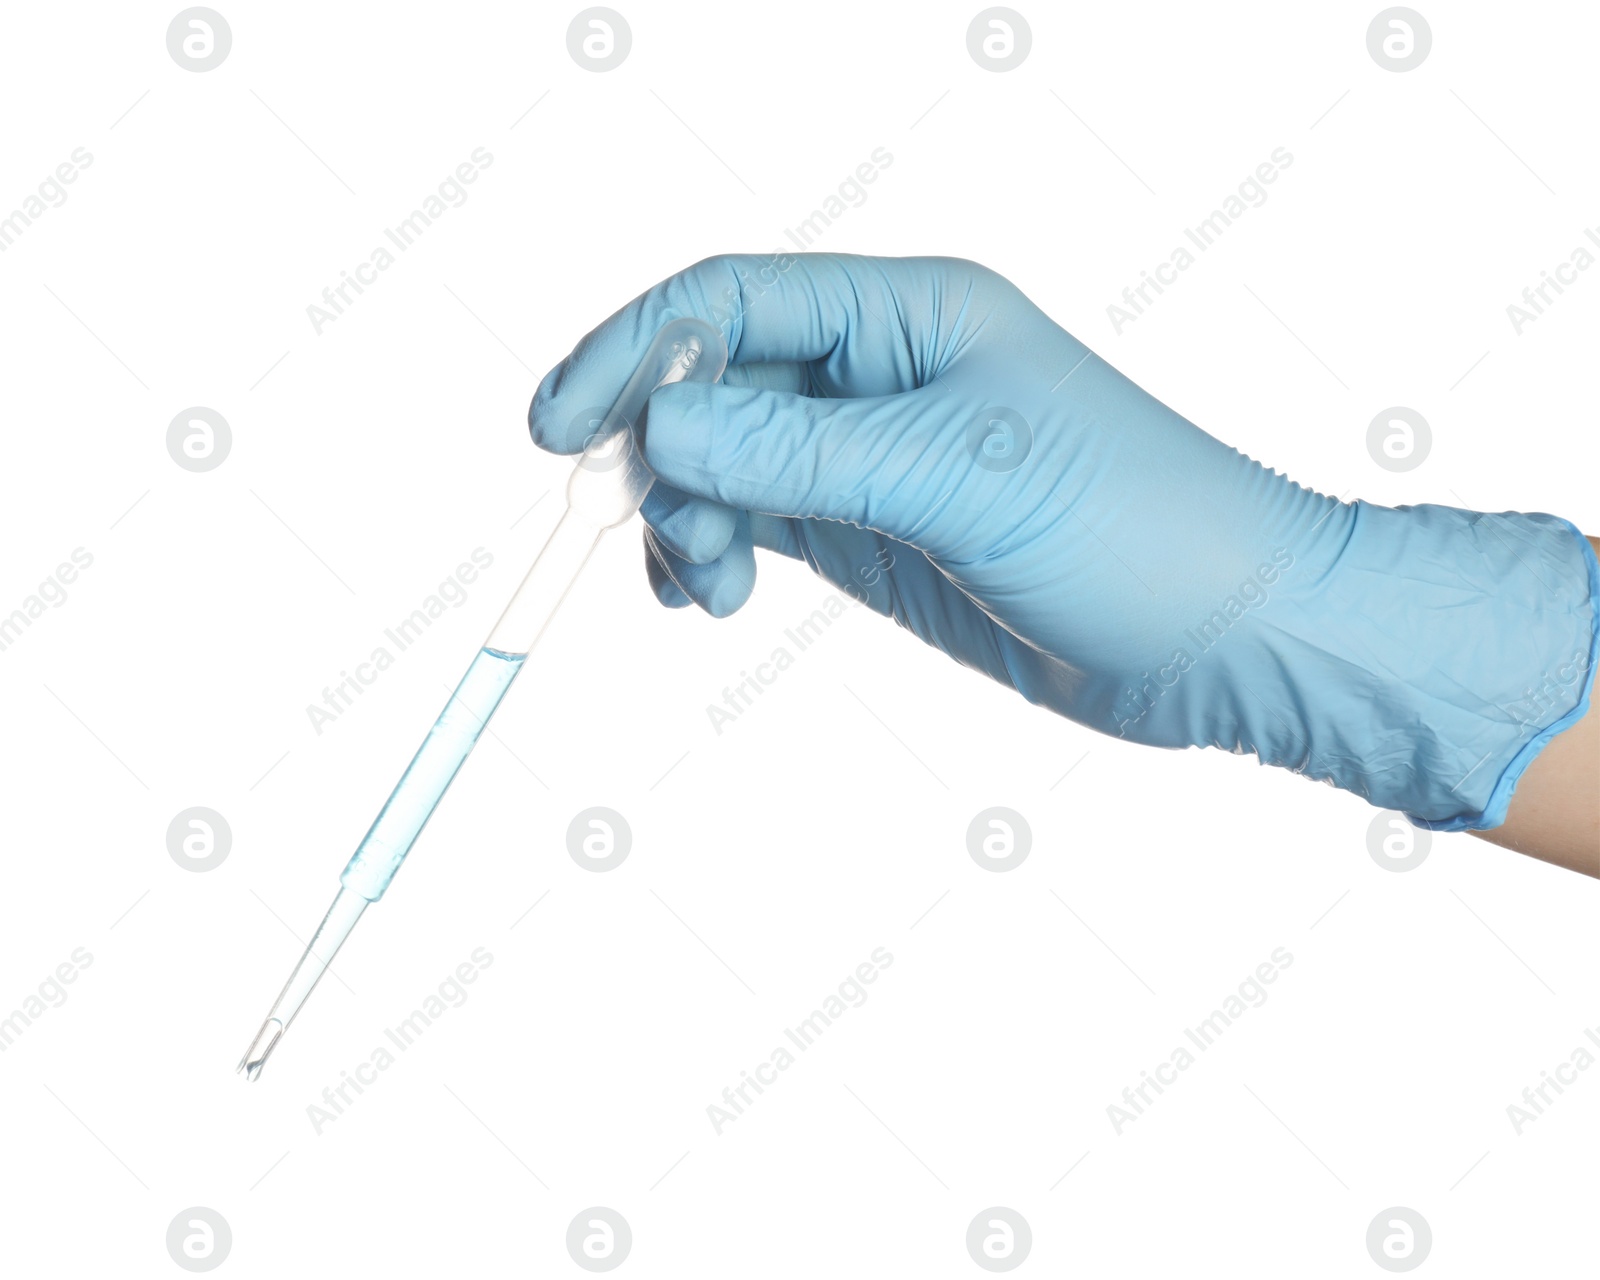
x,y
920,433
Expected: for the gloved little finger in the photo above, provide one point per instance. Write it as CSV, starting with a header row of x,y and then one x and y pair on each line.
x,y
667,592
723,585
697,529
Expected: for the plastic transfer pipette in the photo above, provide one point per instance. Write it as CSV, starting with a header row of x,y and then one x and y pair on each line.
x,y
606,488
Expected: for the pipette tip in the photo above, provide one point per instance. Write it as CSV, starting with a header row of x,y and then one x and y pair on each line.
x,y
255,1057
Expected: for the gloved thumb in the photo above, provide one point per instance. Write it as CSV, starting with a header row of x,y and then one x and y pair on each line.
x,y
897,464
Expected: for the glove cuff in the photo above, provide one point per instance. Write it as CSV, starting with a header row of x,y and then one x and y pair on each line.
x,y
1560,685
1440,654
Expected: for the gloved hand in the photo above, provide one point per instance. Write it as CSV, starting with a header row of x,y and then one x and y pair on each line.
x,y
922,435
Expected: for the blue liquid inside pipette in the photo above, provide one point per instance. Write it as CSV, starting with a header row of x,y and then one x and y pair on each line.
x,y
430,772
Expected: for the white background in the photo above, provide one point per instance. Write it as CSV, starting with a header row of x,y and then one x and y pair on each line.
x,y
831,818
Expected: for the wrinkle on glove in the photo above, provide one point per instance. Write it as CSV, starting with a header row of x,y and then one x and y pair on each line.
x,y
1423,671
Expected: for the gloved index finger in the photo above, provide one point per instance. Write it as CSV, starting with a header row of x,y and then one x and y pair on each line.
x,y
844,311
